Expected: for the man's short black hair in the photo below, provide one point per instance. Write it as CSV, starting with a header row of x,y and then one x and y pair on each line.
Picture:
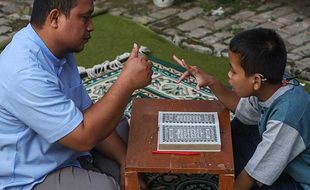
x,y
41,8
261,51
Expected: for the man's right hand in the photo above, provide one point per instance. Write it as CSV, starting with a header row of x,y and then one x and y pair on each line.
x,y
137,71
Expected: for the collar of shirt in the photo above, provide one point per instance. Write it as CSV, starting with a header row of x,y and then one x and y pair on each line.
x,y
276,95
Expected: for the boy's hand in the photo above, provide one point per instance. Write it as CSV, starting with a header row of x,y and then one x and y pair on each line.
x,y
137,71
202,78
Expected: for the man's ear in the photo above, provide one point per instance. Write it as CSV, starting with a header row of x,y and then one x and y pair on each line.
x,y
257,81
53,18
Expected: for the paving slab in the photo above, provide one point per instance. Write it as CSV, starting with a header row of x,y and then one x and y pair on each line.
x,y
191,13
192,24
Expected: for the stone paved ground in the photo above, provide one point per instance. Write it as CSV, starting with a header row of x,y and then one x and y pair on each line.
x,y
191,25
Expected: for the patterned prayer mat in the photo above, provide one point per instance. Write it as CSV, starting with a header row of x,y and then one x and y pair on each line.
x,y
100,78
165,76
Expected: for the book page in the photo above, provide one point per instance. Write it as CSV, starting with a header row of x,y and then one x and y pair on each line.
x,y
188,131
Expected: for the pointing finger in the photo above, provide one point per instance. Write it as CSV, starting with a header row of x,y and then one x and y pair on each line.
x,y
183,76
198,87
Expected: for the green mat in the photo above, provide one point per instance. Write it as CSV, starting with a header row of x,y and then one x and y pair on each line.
x,y
100,78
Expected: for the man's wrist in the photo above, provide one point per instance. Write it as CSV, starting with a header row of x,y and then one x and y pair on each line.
x,y
125,84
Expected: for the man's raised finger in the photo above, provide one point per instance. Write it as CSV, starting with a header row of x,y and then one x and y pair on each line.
x,y
134,52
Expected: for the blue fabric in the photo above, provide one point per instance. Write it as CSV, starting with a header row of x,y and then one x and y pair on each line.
x,y
293,109
283,122
41,101
245,139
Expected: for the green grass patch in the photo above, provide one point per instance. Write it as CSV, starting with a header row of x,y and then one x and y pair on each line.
x,y
116,35
307,87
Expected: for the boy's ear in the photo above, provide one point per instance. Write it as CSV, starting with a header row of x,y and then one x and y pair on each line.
x,y
257,81
53,18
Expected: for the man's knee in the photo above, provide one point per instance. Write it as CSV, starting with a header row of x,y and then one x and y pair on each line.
x,y
72,178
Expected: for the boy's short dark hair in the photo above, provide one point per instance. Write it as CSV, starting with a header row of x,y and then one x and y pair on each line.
x,y
261,51
41,9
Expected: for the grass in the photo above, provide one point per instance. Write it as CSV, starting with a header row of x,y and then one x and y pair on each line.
x,y
115,35
307,87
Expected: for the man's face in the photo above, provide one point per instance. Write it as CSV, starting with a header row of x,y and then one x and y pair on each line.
x,y
241,84
75,29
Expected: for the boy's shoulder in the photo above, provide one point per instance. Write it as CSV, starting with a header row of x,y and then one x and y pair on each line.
x,y
296,97
292,107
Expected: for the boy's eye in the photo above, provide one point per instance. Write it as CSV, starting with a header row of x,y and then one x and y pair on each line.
x,y
229,64
86,17
231,69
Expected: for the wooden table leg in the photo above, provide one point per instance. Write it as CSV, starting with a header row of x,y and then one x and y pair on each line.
x,y
131,181
226,181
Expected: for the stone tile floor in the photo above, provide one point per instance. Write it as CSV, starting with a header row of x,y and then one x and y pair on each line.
x,y
190,24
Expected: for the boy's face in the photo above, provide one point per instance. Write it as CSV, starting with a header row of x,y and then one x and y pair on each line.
x,y
242,85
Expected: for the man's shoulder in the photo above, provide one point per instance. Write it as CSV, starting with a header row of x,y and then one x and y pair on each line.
x,y
19,55
24,42
22,46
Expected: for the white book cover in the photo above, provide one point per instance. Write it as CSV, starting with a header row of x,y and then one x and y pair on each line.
x,y
188,131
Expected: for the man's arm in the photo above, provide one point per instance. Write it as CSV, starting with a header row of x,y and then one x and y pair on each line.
x,y
101,118
115,148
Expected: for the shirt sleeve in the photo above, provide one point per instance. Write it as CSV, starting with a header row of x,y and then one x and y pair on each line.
x,y
274,152
87,102
247,111
36,100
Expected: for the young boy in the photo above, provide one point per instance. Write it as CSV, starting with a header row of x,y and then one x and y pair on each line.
x,y
271,129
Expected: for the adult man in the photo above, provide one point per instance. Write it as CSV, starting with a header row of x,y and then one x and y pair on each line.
x,y
47,120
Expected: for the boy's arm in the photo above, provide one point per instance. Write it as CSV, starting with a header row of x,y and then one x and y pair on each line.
x,y
244,181
226,96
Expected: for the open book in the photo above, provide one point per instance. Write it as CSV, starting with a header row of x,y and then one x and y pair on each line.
x,y
188,131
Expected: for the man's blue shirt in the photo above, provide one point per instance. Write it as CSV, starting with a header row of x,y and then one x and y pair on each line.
x,y
41,101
